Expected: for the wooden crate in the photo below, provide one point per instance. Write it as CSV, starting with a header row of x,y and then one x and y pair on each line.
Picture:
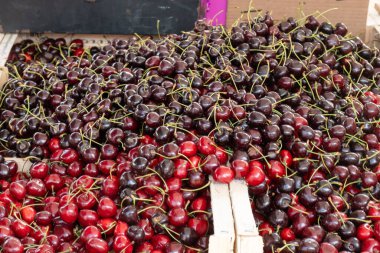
x,y
222,241
351,12
234,225
7,40
247,235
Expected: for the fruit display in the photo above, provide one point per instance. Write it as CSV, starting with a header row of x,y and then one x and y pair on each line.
x,y
123,139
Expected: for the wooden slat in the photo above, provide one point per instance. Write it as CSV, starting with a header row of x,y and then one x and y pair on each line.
x,y
3,76
377,8
222,241
373,21
23,164
1,36
247,236
88,39
6,46
373,36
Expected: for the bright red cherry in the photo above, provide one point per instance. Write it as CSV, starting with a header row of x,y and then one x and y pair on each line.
x,y
240,168
255,176
224,174
206,146
188,148
90,232
96,245
69,212
107,208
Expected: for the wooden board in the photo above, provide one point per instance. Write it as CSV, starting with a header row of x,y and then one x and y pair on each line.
x,y
4,75
372,37
351,12
247,235
6,42
222,241
5,47
89,40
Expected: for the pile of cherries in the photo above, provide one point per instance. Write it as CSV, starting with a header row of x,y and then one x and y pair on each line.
x,y
123,139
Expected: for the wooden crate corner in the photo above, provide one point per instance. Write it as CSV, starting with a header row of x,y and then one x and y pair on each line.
x,y
223,239
247,235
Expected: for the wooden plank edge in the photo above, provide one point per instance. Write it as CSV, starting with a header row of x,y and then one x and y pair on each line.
x,y
223,239
372,38
247,235
244,221
377,8
6,47
220,244
89,40
4,75
246,244
1,37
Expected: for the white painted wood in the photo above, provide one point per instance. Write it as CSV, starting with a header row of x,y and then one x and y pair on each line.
x,y
1,36
6,46
247,235
4,75
89,40
373,24
222,241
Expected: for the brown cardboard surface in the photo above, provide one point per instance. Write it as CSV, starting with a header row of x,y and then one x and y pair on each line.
x,y
351,12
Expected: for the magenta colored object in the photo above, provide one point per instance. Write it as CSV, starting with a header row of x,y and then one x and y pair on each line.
x,y
215,11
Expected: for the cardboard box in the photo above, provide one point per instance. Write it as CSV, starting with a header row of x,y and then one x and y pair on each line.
x,y
351,12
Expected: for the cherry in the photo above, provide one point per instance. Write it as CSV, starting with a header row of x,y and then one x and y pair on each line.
x,y
275,169
364,231
20,228
178,217
28,214
188,148
107,208
206,146
188,236
90,232
12,245
240,168
17,190
121,243
136,234
43,218
87,217
224,174
175,199
370,245
69,212
255,176
287,234
69,156
200,203
39,170
96,245
327,247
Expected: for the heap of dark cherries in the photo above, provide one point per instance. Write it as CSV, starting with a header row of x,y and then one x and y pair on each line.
x,y
123,139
